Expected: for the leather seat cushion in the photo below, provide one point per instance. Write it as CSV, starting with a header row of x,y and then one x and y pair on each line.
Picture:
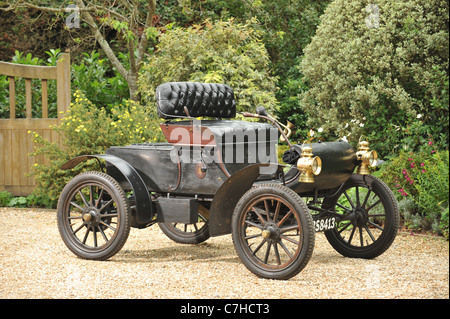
x,y
201,99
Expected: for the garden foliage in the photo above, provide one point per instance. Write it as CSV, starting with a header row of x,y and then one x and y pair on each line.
x,y
87,129
222,52
380,69
420,181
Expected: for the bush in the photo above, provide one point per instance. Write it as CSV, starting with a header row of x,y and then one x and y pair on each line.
x,y
375,69
421,182
224,52
87,129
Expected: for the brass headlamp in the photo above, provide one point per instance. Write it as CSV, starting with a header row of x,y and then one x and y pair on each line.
x,y
308,165
367,158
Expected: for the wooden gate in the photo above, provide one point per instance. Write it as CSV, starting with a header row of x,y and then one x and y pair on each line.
x,y
15,141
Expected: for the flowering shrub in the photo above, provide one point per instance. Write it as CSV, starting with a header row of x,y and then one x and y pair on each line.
x,y
384,64
423,178
87,129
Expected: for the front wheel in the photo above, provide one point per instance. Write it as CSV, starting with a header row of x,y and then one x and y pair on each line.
x,y
93,216
273,232
369,217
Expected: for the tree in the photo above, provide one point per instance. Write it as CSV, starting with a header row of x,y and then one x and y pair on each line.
x,y
380,70
133,19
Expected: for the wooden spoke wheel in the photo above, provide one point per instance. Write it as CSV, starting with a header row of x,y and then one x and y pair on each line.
x,y
93,216
369,217
273,231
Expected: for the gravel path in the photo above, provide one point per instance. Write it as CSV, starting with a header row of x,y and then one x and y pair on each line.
x,y
34,263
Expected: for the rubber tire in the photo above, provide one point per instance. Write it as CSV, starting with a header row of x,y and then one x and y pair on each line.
x,y
307,229
117,194
392,220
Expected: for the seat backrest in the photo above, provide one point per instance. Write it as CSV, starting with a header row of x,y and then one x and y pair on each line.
x,y
200,99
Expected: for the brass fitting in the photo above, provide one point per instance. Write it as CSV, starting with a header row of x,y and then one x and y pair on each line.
x,y
367,158
308,165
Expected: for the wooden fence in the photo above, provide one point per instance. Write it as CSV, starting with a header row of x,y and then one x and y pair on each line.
x,y
15,141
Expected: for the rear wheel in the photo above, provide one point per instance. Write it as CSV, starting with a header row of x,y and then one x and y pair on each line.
x,y
369,217
273,231
189,233
93,216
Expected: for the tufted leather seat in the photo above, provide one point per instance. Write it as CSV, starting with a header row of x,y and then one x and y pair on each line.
x,y
201,99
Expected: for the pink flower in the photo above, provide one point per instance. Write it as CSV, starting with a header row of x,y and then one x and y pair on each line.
x,y
422,164
410,159
430,142
411,182
404,194
405,172
398,185
423,171
432,152
412,165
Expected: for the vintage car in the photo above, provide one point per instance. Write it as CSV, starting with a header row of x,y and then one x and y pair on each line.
x,y
217,175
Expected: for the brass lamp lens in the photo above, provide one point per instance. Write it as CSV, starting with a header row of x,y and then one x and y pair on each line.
x,y
316,165
373,156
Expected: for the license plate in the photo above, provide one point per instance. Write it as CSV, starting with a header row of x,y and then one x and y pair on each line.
x,y
323,224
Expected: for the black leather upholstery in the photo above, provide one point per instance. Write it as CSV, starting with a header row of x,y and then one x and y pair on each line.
x,y
201,99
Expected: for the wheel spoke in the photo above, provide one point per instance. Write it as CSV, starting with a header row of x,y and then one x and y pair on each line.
x,y
357,196
255,210
266,256
375,225
86,235
78,229
83,198
277,254
376,203
103,234
349,200
99,199
284,218
107,225
289,239
286,250
254,224
76,205
106,205
266,206
91,195
277,211
345,227
288,228
351,235
361,238
259,246
366,198
369,233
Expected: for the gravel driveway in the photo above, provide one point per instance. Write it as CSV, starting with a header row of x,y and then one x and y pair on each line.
x,y
34,263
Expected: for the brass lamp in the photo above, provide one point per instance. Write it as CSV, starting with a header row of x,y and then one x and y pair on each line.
x,y
367,158
308,165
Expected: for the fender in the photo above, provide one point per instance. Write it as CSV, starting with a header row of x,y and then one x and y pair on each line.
x,y
144,208
229,193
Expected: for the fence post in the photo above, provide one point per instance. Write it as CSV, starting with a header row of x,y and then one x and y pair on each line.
x,y
63,84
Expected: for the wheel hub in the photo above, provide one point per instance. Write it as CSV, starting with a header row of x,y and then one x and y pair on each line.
x,y
271,231
361,216
91,217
